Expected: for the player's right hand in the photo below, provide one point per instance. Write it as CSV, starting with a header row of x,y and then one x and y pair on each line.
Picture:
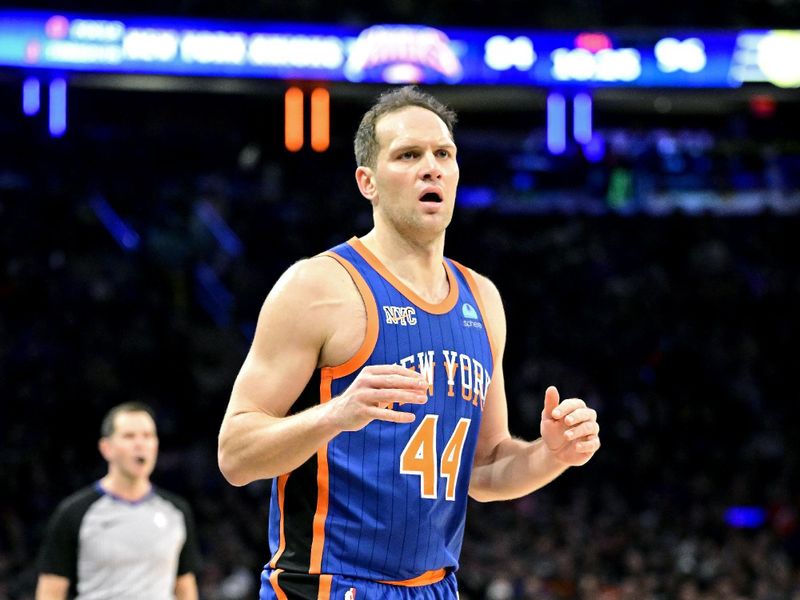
x,y
377,393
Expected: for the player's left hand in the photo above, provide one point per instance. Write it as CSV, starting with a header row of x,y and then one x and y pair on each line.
x,y
569,429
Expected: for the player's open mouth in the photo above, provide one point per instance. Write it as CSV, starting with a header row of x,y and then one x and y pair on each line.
x,y
140,459
430,197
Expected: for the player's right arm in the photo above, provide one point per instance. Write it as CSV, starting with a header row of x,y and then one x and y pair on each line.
x,y
313,317
52,587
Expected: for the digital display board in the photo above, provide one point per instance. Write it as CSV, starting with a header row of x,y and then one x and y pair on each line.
x,y
35,40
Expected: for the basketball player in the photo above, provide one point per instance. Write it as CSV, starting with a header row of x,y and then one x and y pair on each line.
x,y
121,538
400,353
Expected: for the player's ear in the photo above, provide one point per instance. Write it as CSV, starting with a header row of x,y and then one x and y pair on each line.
x,y
365,178
104,447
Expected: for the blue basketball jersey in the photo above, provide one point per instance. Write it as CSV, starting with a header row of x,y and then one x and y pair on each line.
x,y
388,502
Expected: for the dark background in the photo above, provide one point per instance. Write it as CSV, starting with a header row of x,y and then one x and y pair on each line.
x,y
680,329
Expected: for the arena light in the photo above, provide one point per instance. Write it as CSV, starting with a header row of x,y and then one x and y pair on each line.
x,y
594,150
320,120
556,123
58,107
777,58
219,228
125,235
745,517
593,41
31,96
582,118
293,119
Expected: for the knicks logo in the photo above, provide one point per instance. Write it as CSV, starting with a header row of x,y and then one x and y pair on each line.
x,y
400,315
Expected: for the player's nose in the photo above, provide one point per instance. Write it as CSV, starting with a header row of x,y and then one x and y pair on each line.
x,y
430,168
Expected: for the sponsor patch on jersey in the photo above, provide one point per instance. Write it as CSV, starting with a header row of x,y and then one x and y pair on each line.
x,y
400,315
468,311
470,316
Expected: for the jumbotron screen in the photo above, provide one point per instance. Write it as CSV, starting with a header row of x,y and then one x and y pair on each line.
x,y
388,53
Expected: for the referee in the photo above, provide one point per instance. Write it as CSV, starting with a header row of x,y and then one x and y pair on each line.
x,y
121,538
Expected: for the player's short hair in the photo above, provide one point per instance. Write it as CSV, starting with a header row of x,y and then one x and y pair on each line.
x,y
107,425
366,144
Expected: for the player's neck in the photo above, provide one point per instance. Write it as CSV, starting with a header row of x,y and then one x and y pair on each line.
x,y
417,264
127,488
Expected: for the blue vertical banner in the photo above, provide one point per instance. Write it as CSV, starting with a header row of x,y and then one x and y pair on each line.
x,y
31,96
58,107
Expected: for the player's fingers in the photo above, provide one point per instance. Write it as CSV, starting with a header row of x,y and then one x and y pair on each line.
x,y
383,397
584,430
391,370
580,415
568,406
392,416
588,446
550,402
396,381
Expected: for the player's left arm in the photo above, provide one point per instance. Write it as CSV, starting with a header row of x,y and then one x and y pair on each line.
x,y
186,587
506,467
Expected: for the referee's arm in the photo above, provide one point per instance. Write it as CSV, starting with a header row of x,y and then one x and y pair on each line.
x,y
58,556
189,558
185,587
52,587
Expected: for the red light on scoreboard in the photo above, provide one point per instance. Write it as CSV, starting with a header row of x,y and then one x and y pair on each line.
x,y
593,42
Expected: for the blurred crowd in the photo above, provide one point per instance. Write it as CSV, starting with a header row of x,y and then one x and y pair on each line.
x,y
134,256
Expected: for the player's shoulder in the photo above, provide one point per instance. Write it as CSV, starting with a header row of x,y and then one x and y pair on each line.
x,y
314,275
491,303
486,287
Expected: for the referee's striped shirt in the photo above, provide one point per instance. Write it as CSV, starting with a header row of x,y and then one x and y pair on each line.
x,y
110,548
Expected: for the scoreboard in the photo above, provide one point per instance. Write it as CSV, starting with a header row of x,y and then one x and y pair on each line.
x,y
38,41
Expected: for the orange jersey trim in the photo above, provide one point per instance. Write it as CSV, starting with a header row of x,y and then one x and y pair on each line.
x,y
282,545
318,529
325,582
441,308
273,580
427,578
327,375
473,286
371,336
